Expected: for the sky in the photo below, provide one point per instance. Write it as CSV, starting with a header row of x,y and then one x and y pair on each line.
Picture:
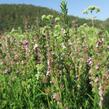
x,y
75,7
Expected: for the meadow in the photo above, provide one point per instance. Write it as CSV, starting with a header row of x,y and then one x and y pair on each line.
x,y
55,66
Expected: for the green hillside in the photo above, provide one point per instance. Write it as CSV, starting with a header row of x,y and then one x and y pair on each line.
x,y
25,16
13,16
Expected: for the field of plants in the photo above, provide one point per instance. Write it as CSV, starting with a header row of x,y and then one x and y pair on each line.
x,y
55,67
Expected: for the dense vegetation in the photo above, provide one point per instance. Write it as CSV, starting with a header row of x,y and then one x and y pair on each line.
x,y
55,66
25,16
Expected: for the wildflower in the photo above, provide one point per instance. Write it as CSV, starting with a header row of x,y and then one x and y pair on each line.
x,y
101,95
25,44
89,61
97,67
35,46
36,53
99,42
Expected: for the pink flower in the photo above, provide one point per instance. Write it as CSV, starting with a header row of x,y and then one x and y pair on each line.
x,y
25,44
89,61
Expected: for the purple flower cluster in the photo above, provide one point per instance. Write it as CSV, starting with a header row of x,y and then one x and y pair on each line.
x,y
89,61
25,44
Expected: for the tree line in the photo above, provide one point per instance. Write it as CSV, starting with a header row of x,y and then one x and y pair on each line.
x,y
25,16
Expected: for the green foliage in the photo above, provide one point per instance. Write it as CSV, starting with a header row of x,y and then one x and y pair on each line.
x,y
55,67
12,16
43,70
92,9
